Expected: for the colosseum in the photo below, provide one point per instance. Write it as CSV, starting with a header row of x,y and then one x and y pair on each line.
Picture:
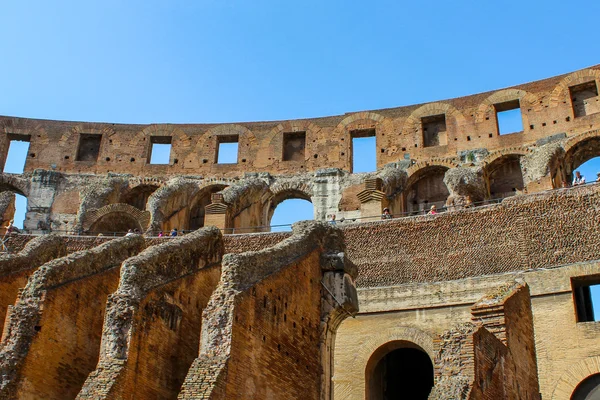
x,y
489,298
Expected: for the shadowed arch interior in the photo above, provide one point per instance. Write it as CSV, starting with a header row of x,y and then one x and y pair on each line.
x,y
425,188
399,370
138,196
197,212
505,177
588,389
115,222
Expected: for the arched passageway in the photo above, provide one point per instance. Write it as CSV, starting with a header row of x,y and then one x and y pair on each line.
x,y
115,222
588,389
584,156
505,177
138,196
286,208
425,188
399,370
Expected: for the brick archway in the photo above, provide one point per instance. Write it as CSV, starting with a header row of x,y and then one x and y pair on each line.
x,y
92,216
572,377
561,91
526,100
282,191
412,124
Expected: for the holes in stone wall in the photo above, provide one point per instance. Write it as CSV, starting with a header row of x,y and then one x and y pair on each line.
x,y
508,117
227,149
584,99
17,153
160,150
434,130
89,147
294,145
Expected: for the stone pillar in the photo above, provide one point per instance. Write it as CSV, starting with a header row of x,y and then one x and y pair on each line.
x,y
39,202
372,200
216,213
467,186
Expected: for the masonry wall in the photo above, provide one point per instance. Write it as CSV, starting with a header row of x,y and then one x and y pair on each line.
x,y
471,123
542,230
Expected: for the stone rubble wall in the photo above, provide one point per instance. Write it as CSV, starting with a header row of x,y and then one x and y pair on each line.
x,y
52,333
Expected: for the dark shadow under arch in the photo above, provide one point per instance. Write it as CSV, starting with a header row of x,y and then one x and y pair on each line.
x,y
138,196
505,177
588,389
425,188
399,369
115,222
201,200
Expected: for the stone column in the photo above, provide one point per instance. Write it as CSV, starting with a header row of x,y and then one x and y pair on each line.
x,y
216,213
372,200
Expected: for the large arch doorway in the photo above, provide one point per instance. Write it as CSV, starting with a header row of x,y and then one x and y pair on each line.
x,y
286,208
399,370
505,177
424,189
588,389
115,223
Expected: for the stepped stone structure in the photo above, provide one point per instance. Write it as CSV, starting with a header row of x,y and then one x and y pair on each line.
x,y
490,298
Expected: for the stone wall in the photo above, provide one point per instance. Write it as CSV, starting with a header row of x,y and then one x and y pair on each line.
x,y
52,334
523,232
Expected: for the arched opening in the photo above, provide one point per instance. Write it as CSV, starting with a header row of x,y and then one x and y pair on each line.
x,y
588,389
138,196
13,207
585,158
399,370
505,177
197,212
424,189
115,223
288,207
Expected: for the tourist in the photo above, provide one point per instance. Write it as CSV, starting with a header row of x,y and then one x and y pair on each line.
x,y
332,219
160,234
386,214
129,233
598,177
174,232
432,210
579,179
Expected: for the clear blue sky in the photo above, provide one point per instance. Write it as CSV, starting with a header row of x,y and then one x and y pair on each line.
x,y
232,60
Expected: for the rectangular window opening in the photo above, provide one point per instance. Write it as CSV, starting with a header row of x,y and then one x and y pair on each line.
x,y
508,117
584,99
586,295
17,153
89,147
434,130
227,149
364,150
294,144
160,149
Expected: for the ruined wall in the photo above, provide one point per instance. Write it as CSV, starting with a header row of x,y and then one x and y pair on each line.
x,y
265,338
52,334
16,268
522,232
152,326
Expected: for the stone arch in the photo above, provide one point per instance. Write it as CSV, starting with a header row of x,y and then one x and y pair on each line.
x,y
282,191
199,202
272,148
579,149
526,100
490,158
503,173
412,124
572,377
425,187
93,216
414,170
180,146
561,91
207,144
420,371
138,195
15,184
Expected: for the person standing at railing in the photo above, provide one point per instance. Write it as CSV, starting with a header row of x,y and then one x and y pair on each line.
x,y
386,214
432,210
174,232
579,179
332,219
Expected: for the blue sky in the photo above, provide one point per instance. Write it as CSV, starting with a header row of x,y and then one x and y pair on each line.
x,y
231,60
